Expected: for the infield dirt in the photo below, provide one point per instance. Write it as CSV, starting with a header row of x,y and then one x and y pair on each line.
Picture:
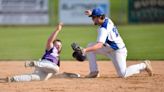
x,y
108,81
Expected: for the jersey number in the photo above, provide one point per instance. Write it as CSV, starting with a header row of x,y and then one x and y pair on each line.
x,y
115,31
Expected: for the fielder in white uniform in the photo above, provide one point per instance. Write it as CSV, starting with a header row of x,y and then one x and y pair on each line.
x,y
110,44
49,64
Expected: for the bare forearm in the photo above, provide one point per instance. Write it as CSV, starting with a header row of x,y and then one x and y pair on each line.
x,y
93,48
53,36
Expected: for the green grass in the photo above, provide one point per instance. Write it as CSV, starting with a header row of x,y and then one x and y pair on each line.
x,y
118,10
143,41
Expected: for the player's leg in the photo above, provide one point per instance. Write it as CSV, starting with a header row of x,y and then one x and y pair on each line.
x,y
43,71
119,61
92,60
23,78
40,72
46,69
44,65
37,75
26,77
137,68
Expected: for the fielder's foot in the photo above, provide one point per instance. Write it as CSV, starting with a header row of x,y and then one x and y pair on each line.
x,y
94,74
148,67
29,64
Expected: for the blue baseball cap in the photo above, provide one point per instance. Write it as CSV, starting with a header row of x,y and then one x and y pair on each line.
x,y
97,12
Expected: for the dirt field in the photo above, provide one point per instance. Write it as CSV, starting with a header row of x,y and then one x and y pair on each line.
x,y
108,82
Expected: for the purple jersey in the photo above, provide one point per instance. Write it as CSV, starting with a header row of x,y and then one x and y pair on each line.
x,y
52,55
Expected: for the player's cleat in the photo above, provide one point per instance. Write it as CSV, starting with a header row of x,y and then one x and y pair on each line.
x,y
71,75
148,67
10,79
29,64
94,74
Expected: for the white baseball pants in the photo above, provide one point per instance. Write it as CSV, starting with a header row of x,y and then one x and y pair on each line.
x,y
43,71
118,58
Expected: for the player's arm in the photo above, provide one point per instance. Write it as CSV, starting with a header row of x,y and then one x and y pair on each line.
x,y
98,45
53,36
102,35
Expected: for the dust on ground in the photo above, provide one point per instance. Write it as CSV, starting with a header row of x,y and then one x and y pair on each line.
x,y
108,81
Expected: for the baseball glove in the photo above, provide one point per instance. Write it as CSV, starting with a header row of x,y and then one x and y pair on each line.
x,y
78,53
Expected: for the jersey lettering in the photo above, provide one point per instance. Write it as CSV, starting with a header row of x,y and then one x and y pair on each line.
x,y
115,31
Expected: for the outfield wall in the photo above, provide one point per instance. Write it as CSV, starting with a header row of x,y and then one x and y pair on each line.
x,y
72,12
24,12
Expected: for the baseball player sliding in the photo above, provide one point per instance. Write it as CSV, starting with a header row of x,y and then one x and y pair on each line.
x,y
49,65
110,44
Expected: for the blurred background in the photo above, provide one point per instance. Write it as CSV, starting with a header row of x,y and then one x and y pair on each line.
x,y
25,26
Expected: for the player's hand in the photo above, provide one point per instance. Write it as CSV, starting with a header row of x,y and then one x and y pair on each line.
x,y
84,51
88,12
59,26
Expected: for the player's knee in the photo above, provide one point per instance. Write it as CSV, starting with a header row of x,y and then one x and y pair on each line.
x,y
54,70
